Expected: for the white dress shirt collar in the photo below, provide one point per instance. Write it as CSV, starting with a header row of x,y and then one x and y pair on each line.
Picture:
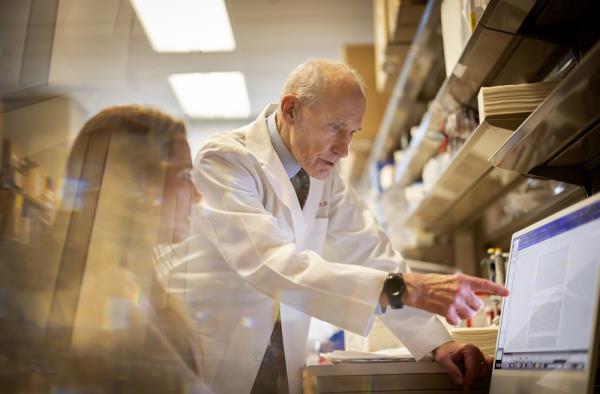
x,y
290,164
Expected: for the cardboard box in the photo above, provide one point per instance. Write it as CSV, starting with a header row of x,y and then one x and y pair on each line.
x,y
11,211
33,183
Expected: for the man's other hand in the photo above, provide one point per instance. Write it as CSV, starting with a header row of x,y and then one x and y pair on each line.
x,y
451,296
464,362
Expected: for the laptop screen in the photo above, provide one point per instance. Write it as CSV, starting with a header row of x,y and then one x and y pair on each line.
x,y
548,320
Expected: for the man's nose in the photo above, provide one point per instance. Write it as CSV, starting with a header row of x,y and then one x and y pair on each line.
x,y
341,145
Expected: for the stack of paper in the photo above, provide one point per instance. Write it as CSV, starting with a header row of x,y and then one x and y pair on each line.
x,y
380,337
482,337
511,100
384,355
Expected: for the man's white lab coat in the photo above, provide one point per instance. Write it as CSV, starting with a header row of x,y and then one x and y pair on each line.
x,y
254,251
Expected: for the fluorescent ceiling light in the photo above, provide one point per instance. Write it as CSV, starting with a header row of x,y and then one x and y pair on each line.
x,y
186,25
212,95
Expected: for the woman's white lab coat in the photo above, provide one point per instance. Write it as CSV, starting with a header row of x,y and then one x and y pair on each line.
x,y
253,251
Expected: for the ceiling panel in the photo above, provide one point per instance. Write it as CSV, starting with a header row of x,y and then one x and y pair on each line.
x,y
101,54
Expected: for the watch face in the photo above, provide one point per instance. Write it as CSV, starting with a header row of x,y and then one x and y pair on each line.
x,y
396,285
394,290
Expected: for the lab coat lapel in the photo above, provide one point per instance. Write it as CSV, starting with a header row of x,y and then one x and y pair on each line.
x,y
259,144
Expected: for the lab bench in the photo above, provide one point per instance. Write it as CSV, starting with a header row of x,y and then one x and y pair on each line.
x,y
390,377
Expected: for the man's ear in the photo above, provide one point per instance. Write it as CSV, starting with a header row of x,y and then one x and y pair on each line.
x,y
289,103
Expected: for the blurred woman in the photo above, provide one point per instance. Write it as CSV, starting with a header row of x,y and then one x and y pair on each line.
x,y
99,319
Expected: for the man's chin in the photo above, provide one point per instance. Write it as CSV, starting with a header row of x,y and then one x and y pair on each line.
x,y
321,174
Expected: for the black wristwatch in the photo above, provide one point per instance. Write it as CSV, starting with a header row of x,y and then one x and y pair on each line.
x,y
394,288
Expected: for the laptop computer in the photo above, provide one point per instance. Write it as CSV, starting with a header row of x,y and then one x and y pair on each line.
x,y
548,334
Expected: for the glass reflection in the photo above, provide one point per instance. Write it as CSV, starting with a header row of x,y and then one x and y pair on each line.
x,y
81,307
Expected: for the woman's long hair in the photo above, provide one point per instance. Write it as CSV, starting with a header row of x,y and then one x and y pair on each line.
x,y
100,309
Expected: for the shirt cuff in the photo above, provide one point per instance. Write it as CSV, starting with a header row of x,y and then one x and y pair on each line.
x,y
380,310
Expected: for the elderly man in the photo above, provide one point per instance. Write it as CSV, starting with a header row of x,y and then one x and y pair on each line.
x,y
280,237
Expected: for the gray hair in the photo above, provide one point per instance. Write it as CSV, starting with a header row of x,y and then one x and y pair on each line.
x,y
309,80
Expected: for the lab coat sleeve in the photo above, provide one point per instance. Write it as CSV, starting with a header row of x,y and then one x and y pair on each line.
x,y
354,237
262,251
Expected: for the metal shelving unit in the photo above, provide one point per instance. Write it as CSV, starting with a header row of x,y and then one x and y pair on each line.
x,y
561,139
469,176
494,55
515,41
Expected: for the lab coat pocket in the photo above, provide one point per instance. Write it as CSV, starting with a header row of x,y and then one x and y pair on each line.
x,y
317,235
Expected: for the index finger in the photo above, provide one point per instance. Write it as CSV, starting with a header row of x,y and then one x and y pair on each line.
x,y
481,285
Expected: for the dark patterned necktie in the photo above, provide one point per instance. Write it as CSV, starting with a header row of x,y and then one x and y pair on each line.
x,y
272,374
301,183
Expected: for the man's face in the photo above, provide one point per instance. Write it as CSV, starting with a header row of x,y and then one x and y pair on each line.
x,y
322,133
